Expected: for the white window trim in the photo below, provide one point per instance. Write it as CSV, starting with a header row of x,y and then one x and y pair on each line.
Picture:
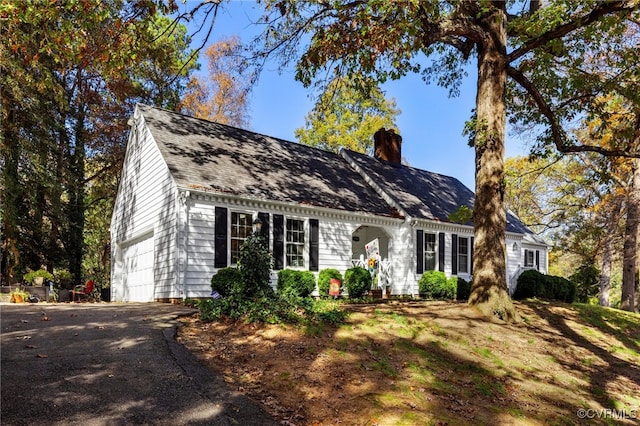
x,y
229,230
305,244
466,254
532,264
435,251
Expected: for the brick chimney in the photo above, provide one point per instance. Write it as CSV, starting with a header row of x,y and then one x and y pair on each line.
x,y
387,146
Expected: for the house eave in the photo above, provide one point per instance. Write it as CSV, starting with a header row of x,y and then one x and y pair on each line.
x,y
287,207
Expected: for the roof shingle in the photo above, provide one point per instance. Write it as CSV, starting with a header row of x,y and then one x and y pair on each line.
x,y
206,155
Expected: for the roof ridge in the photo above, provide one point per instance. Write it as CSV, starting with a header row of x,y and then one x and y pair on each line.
x,y
240,129
408,166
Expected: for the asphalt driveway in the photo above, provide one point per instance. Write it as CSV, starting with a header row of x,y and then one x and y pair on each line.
x,y
109,364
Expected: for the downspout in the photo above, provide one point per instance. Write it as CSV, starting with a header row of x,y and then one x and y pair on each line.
x,y
183,217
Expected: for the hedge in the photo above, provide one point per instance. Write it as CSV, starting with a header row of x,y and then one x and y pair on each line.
x,y
357,280
324,279
225,280
301,283
435,285
463,289
532,283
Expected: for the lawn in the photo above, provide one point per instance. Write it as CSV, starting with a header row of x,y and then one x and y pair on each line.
x,y
435,363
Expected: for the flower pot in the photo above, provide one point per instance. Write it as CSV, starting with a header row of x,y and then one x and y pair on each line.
x,y
376,294
17,298
387,293
64,296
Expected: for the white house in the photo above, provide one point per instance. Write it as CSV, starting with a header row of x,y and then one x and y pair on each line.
x,y
191,189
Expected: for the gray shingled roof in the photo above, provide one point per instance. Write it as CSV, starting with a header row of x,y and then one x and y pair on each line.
x,y
209,156
422,194
214,157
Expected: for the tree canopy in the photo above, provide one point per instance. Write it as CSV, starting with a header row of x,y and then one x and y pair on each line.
x,y
345,117
70,74
221,94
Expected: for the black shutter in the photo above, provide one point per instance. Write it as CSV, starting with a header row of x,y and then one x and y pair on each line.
x,y
471,243
454,254
314,239
278,240
441,251
419,251
538,260
264,231
220,260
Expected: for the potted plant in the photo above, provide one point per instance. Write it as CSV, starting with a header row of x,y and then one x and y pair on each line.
x,y
19,296
37,278
64,283
374,291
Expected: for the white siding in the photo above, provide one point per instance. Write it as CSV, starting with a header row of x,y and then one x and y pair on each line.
x,y
334,248
514,261
335,244
402,255
146,200
200,249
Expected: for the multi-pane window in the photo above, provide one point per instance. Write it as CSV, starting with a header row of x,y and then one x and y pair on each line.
x,y
430,252
241,228
463,255
530,259
295,243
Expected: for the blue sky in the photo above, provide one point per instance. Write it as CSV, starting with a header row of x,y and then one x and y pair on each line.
x,y
430,123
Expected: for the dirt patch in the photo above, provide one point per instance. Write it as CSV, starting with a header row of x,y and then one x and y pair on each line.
x,y
434,363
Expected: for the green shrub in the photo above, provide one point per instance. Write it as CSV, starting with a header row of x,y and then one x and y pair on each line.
x,y
281,308
435,285
255,263
324,279
326,312
300,283
357,280
564,289
463,289
532,283
587,281
63,279
226,280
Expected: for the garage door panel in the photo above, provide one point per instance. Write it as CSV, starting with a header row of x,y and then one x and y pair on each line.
x,y
138,261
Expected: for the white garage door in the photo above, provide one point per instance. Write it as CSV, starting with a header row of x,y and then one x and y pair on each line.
x,y
138,271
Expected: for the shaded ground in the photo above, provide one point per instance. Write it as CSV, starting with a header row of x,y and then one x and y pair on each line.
x,y
109,364
435,363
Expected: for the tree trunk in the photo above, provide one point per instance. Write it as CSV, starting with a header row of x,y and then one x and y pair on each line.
x,y
12,194
76,209
489,291
607,253
630,260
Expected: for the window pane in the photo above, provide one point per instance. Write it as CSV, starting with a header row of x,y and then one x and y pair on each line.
x,y
463,255
528,258
240,229
295,243
430,252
